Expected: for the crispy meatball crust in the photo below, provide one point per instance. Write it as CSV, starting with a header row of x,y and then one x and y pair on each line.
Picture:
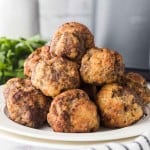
x,y
56,75
71,40
42,53
25,104
137,83
72,111
118,106
101,65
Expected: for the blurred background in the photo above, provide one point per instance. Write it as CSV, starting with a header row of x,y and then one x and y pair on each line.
x,y
120,25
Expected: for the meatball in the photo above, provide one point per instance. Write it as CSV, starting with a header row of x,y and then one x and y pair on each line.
x,y
72,111
42,53
137,83
118,106
101,65
56,75
71,40
25,104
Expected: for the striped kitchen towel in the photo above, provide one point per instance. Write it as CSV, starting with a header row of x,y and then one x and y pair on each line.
x,y
140,143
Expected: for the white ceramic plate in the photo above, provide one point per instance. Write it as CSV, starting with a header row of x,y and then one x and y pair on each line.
x,y
25,142
46,132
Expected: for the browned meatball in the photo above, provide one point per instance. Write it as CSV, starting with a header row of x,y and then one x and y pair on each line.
x,y
71,40
25,104
137,83
42,53
101,65
72,111
118,106
56,75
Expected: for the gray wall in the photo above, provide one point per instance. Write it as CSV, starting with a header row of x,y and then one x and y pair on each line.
x,y
125,27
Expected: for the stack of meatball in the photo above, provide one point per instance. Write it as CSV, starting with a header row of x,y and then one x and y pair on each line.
x,y
75,86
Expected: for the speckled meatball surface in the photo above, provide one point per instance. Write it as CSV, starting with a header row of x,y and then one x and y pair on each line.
x,y
118,106
137,83
42,53
101,65
72,111
54,76
71,40
25,104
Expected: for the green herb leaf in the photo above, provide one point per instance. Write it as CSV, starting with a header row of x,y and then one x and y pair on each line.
x,y
13,53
